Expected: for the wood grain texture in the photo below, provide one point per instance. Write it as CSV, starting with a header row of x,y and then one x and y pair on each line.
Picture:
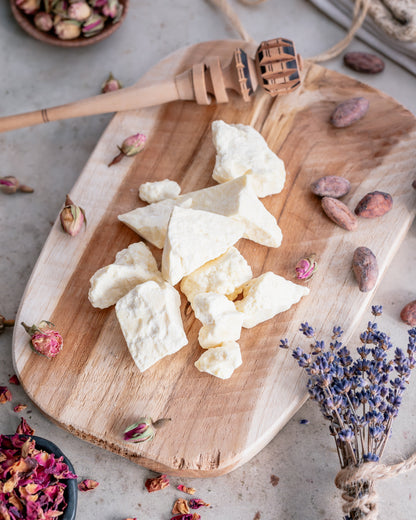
x,y
93,388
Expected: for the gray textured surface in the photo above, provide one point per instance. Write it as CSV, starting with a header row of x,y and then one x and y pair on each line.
x,y
50,159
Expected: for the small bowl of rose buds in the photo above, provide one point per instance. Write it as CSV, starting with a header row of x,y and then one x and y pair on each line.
x,y
36,478
69,23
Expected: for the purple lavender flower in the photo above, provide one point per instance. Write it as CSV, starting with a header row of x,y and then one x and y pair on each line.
x,y
284,343
377,310
307,330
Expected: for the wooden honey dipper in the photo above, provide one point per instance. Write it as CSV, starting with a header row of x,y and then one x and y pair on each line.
x,y
276,67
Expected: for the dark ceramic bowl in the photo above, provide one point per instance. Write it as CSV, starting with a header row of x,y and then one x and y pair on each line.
x,y
71,490
26,23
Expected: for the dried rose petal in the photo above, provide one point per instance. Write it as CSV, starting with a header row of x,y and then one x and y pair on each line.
x,y
184,489
87,484
5,394
180,506
13,380
184,517
24,428
274,480
196,503
19,407
157,483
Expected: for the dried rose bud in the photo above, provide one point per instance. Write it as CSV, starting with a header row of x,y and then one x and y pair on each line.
x,y
67,29
143,430
79,11
185,489
5,323
43,21
87,484
44,340
24,428
196,503
156,484
93,25
111,8
72,218
111,84
131,146
60,7
98,3
5,394
306,267
180,507
9,184
28,6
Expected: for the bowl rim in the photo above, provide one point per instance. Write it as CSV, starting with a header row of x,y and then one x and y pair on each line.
x,y
24,21
71,490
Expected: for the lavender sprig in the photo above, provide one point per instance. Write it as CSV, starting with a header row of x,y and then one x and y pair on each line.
x,y
359,397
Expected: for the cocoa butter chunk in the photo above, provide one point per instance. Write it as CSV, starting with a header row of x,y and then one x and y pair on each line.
x,y
331,186
374,204
349,111
339,213
408,313
364,265
364,62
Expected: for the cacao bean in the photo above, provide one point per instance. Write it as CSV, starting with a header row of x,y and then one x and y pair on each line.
x,y
339,213
364,62
331,186
349,111
408,313
374,204
364,265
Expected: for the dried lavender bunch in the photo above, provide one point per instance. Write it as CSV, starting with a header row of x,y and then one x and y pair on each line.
x,y
359,397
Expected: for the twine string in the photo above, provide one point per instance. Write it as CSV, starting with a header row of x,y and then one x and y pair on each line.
x,y
357,484
360,11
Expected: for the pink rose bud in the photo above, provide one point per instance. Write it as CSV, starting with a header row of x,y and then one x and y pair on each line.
x,y
111,8
72,218
43,21
143,430
93,25
28,6
60,7
9,184
79,11
140,431
111,84
306,267
131,146
44,340
67,29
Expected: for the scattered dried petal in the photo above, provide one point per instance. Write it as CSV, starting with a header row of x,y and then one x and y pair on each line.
x,y
5,394
257,516
24,428
274,479
9,184
180,506
19,407
196,503
87,484
185,489
157,483
185,517
13,380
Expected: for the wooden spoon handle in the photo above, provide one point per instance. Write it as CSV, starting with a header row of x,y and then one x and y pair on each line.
x,y
129,98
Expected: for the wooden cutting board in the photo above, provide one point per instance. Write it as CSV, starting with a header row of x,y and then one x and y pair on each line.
x,y
93,388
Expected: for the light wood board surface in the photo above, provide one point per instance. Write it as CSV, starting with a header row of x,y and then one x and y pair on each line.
x,y
93,388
